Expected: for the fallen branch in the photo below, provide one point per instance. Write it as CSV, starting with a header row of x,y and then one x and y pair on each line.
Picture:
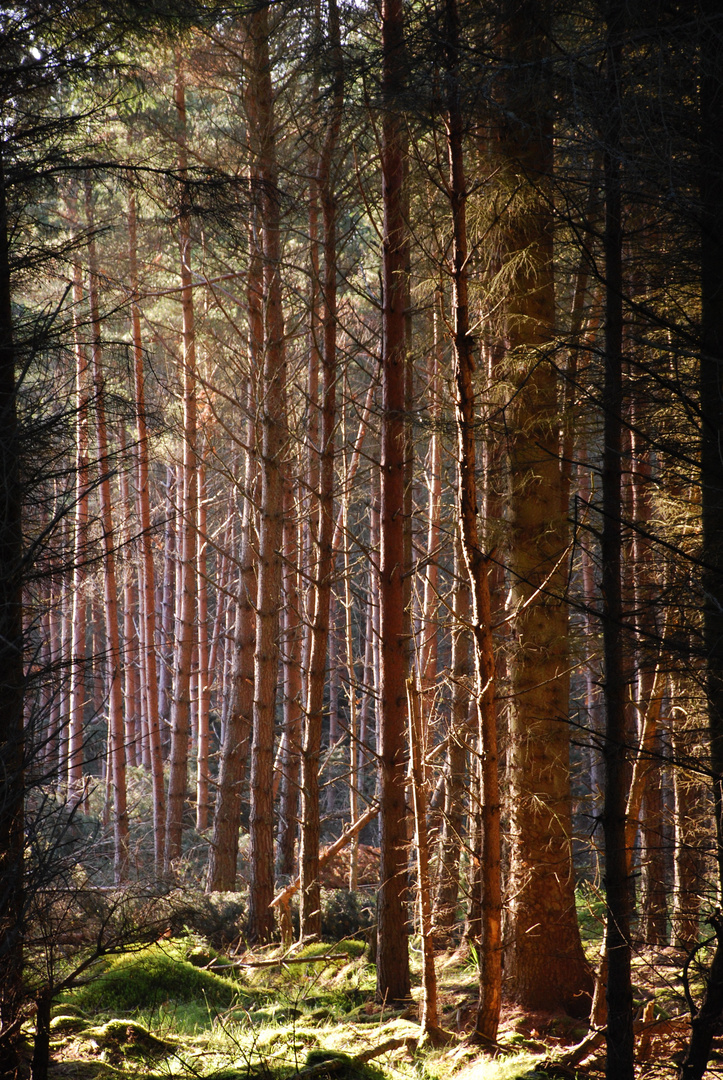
x,y
334,1064
328,853
281,960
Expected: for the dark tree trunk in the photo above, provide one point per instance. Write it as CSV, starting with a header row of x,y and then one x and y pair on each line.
x,y
393,981
706,1019
620,1041
12,750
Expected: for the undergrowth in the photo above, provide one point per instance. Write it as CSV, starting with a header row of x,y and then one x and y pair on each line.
x,y
270,1014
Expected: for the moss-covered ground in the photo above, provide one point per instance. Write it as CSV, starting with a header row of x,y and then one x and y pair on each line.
x,y
180,1008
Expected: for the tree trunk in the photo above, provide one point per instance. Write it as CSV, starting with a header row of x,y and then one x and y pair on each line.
x,y
490,955
238,725
186,538
203,799
114,658
309,855
291,749
619,1036
453,821
545,966
706,1020
73,758
12,750
147,612
272,411
417,748
393,982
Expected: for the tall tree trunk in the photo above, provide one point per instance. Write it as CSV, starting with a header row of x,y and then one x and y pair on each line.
x,y
545,965
457,736
310,835
705,1021
203,801
186,538
132,685
238,725
291,750
73,758
147,607
12,750
114,658
393,982
476,561
619,1036
272,412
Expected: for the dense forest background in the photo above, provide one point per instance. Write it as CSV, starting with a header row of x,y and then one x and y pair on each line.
x,y
360,382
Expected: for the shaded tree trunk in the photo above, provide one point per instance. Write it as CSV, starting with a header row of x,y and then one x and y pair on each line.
x,y
12,748
619,1035
393,981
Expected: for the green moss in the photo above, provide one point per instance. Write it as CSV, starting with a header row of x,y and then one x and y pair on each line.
x,y
342,1066
123,1039
149,978
67,1025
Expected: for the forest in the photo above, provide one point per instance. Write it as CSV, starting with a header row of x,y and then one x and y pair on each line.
x,y
361,539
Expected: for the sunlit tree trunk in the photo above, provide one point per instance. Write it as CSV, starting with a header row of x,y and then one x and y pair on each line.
x,y
147,606
272,435
203,800
114,658
445,915
490,953
73,760
545,965
132,686
291,749
238,725
309,853
188,507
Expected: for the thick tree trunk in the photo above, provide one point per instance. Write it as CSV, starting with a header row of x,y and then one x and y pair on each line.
x,y
545,966
393,982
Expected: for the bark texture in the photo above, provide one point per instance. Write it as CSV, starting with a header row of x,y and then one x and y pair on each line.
x,y
393,981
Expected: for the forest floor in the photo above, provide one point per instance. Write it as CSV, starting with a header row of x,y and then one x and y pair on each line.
x,y
181,1009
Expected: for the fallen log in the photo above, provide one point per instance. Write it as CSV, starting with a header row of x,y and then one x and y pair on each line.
x,y
327,854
